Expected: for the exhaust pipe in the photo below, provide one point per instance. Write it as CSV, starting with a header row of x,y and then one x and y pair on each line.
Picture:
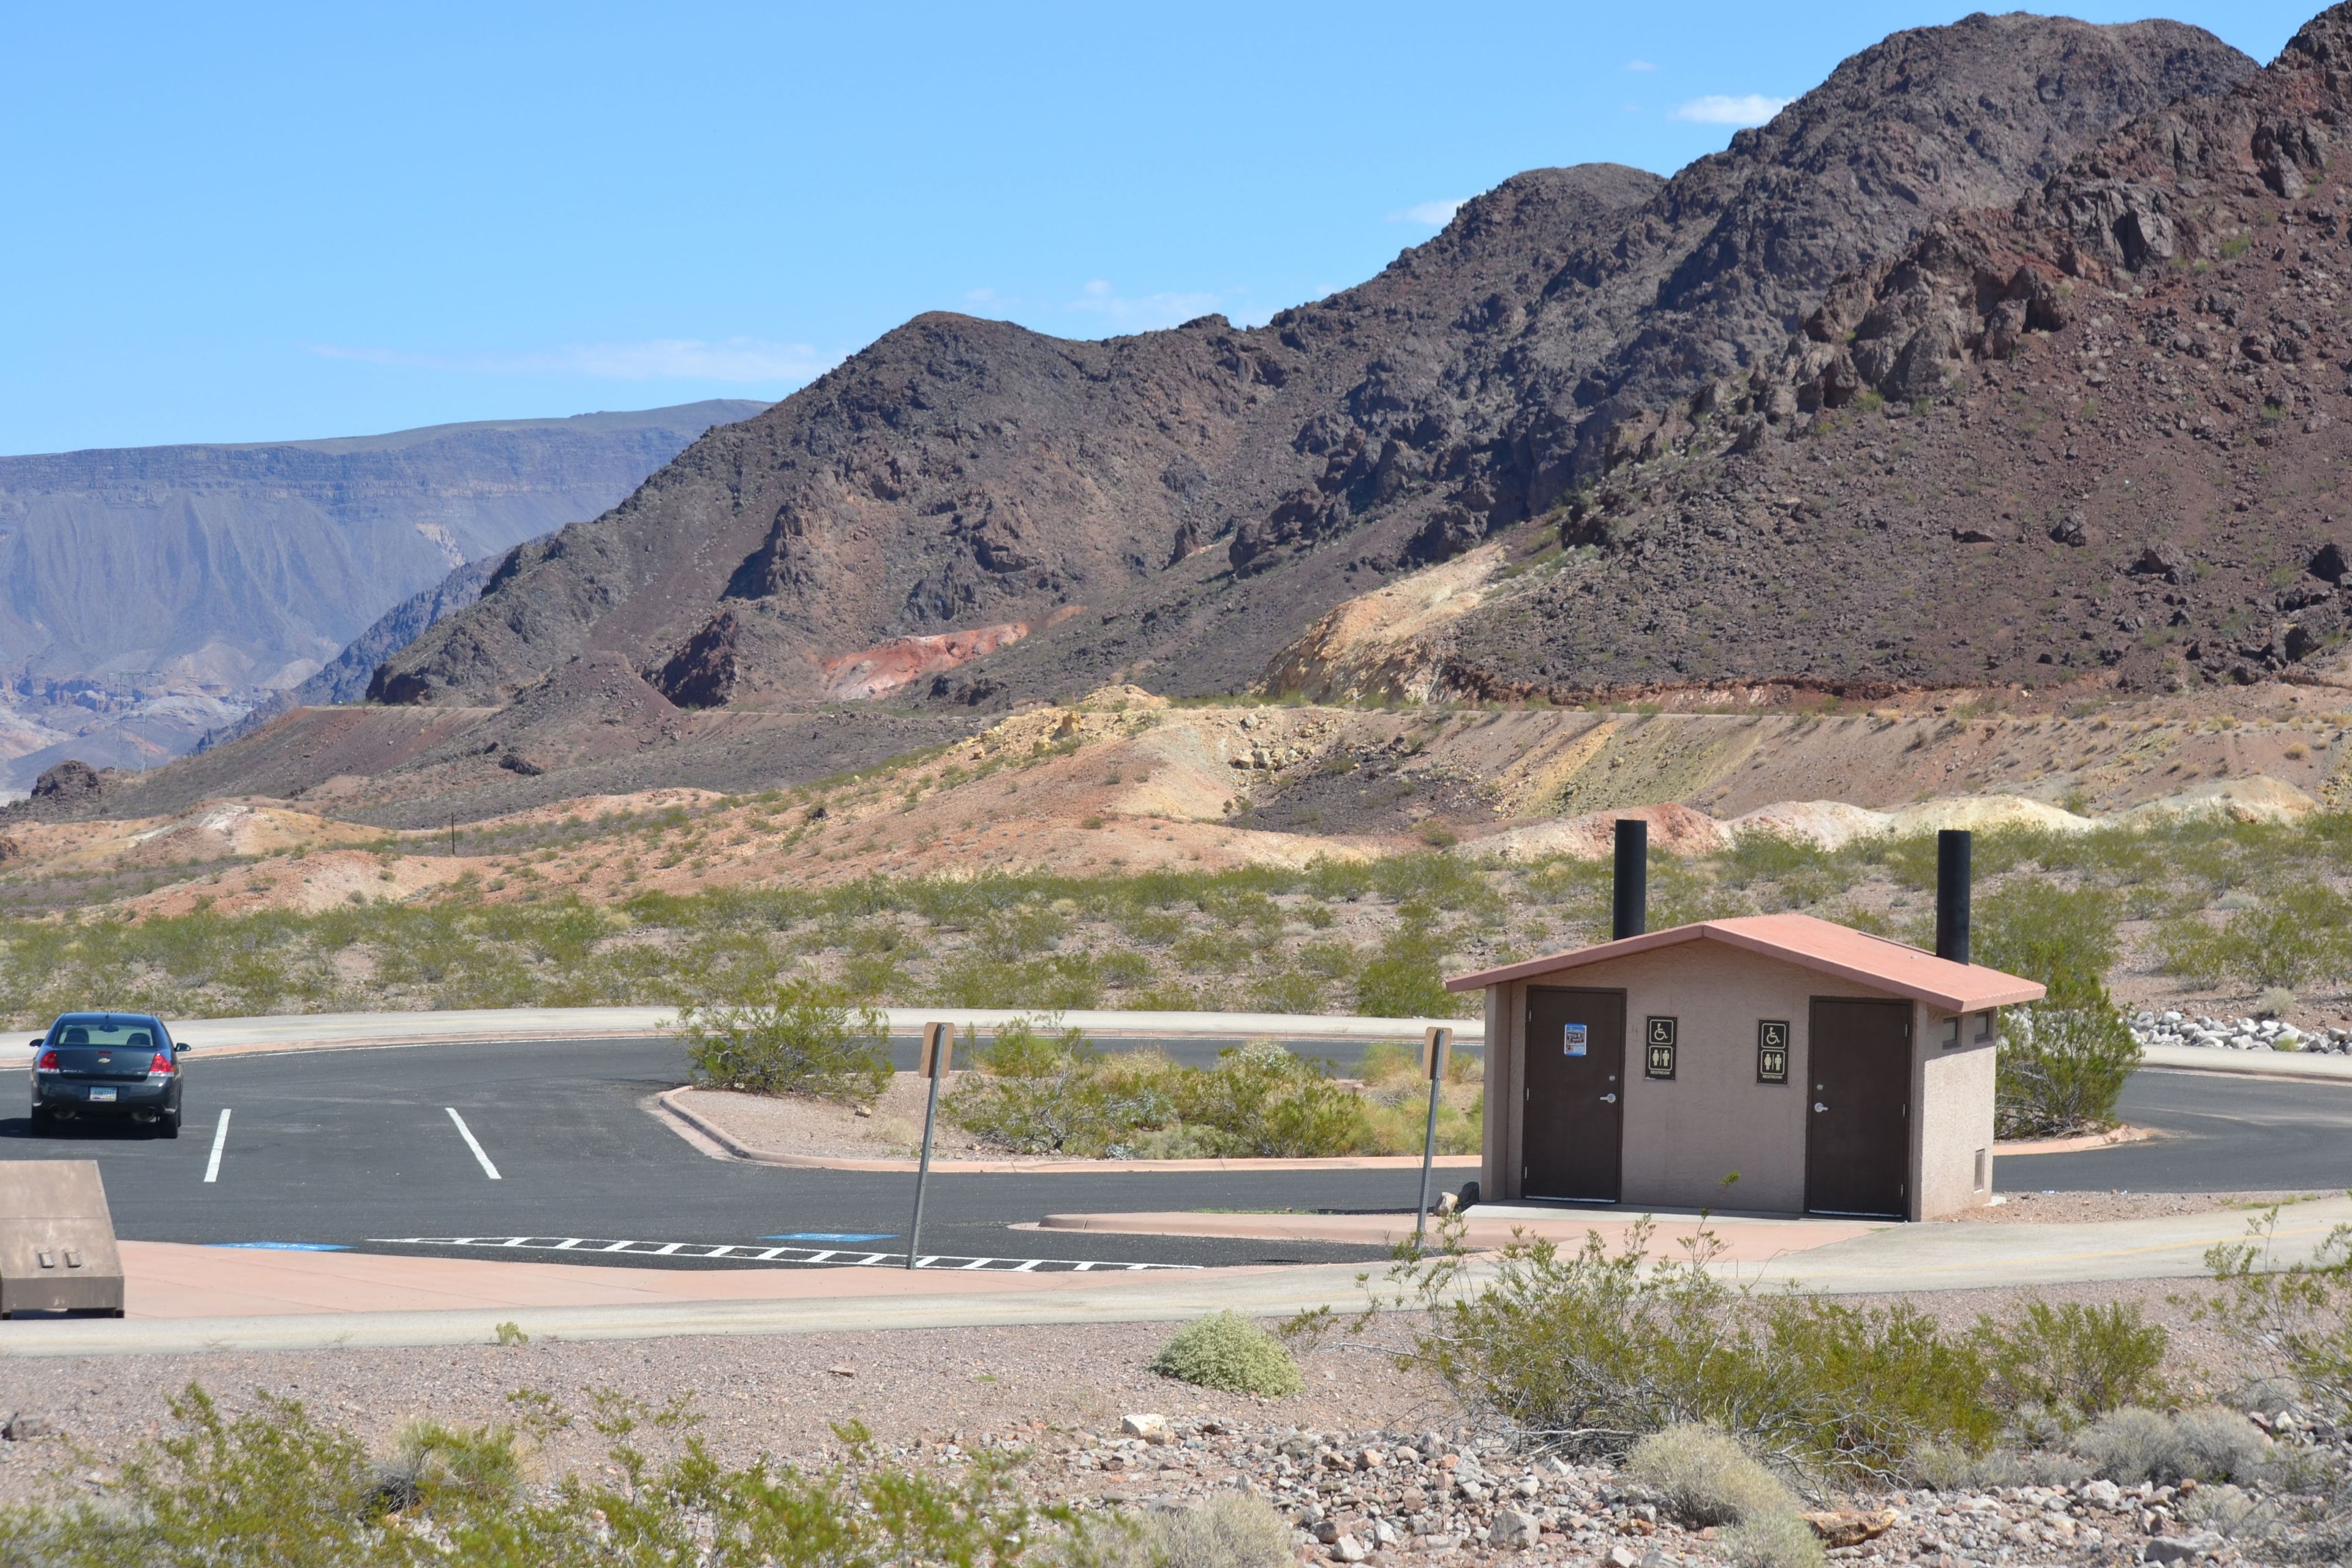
x,y
1952,846
1629,912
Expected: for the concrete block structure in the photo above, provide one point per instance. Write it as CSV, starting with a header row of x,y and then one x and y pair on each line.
x,y
1830,1070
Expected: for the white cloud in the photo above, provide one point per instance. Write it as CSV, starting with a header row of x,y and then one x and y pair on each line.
x,y
1637,66
1144,313
1715,109
1431,215
749,361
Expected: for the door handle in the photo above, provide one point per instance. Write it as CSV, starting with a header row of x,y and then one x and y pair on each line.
x,y
1607,1100
1819,1108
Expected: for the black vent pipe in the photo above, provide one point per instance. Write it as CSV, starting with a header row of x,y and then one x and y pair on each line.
x,y
1952,894
1630,910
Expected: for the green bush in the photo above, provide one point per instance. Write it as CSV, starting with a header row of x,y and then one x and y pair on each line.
x,y
790,1037
1227,1350
1590,1351
272,1488
1263,1102
1040,1094
2065,939
1704,1477
2292,1324
2076,1361
2060,1069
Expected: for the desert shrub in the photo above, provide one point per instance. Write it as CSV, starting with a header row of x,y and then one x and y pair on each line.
x,y
1774,1541
1058,1094
2064,939
1263,1102
1227,1350
1291,990
273,1487
1058,982
1227,1529
795,1036
2207,1444
2296,935
1593,1349
1403,979
2060,1068
2076,1361
1704,1477
2291,1325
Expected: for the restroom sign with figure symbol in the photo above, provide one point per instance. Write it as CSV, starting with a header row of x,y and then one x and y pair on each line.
x,y
1658,1039
1772,1050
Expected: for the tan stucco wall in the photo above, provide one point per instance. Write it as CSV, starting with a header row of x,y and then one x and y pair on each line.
x,y
1683,1136
1952,1094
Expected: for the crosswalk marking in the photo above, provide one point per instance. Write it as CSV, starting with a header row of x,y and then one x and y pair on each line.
x,y
739,1252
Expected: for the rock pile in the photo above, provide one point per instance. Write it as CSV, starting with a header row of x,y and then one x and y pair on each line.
x,y
2174,1028
1396,1498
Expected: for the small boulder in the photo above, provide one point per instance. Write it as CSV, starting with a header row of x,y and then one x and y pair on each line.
x,y
1513,1531
2330,561
1851,1527
1150,1429
1347,1548
2180,1547
2073,529
24,1425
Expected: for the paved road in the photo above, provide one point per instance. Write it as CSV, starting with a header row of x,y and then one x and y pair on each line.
x,y
2219,1134
361,1149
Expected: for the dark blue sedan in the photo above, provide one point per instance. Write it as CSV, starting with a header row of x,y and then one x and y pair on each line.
x,y
93,1065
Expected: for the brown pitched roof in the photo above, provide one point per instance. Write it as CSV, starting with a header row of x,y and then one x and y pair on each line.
x,y
1811,944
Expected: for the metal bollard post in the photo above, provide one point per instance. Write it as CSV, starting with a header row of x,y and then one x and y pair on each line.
x,y
939,1047
1434,1048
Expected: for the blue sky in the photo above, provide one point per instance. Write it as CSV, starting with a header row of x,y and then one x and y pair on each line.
x,y
246,224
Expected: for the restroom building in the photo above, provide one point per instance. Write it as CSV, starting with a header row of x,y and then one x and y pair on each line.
x,y
1834,1071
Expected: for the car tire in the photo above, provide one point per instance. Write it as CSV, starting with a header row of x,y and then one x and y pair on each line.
x,y
168,1125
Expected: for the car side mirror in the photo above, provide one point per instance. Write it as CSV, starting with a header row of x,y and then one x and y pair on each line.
x,y
179,1048
38,1043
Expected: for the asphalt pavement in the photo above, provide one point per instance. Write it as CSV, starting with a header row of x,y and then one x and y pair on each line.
x,y
543,1150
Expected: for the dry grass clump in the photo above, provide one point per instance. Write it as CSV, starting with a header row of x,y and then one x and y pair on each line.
x,y
2203,1444
1704,1477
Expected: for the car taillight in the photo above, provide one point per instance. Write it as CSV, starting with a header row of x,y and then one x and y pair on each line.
x,y
49,1062
162,1064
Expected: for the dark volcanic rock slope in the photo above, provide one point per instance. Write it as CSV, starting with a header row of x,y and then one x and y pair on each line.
x,y
2101,435
1204,492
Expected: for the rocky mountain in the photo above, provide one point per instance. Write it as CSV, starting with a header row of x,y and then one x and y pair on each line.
x,y
2095,436
995,514
153,592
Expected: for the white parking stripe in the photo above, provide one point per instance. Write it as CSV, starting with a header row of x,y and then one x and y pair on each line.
x,y
220,1141
467,1134
737,1252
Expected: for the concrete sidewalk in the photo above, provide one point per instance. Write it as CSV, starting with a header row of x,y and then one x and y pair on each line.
x,y
195,1297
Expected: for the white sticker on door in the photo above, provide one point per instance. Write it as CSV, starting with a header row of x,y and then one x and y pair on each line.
x,y
1572,1042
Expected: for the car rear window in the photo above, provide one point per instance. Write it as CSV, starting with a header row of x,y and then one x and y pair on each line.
x,y
135,1034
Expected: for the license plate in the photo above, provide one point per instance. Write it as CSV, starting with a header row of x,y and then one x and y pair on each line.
x,y
96,1095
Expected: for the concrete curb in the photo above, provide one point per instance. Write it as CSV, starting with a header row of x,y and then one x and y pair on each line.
x,y
2116,1139
1167,1299
739,1150
493,1025
2307,1065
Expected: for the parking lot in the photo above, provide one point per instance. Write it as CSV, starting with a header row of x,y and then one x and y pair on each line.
x,y
543,1150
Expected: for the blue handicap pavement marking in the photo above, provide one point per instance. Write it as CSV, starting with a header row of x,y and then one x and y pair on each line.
x,y
831,1236
284,1245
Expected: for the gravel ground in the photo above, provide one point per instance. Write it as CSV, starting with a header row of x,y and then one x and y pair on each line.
x,y
799,1124
1368,1463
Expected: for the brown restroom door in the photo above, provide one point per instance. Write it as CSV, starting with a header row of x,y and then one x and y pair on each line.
x,y
1858,1120
1574,1127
